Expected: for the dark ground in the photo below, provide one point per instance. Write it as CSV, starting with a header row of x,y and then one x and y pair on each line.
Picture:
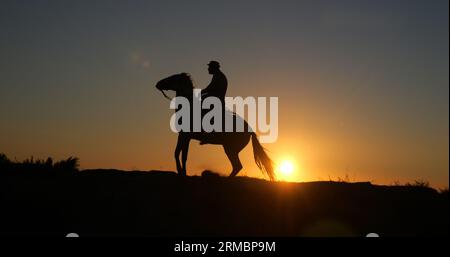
x,y
116,203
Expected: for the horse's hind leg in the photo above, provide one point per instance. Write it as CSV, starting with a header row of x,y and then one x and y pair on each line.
x,y
233,156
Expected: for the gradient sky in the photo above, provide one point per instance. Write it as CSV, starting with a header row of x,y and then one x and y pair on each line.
x,y
363,86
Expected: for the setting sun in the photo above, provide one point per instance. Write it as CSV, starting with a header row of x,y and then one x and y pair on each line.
x,y
286,170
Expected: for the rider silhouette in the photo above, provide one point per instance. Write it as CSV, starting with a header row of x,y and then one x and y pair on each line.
x,y
219,84
217,88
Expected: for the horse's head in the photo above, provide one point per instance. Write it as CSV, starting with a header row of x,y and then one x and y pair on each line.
x,y
179,83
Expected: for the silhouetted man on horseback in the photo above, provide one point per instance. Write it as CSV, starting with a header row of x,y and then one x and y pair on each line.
x,y
219,84
232,141
217,88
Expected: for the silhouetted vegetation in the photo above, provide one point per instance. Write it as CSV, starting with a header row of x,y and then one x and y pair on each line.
x,y
31,164
210,174
4,161
419,183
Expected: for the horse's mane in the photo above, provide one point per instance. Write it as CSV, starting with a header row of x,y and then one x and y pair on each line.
x,y
188,78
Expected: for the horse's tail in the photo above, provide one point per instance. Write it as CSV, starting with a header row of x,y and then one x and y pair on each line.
x,y
263,161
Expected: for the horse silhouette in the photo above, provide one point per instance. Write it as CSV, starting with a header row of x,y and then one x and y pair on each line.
x,y
232,142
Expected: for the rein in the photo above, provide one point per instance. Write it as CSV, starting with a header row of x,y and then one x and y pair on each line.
x,y
162,91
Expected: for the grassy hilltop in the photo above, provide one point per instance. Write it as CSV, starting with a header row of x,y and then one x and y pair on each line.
x,y
46,198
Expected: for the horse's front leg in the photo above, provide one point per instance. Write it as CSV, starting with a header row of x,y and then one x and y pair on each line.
x,y
184,154
177,154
